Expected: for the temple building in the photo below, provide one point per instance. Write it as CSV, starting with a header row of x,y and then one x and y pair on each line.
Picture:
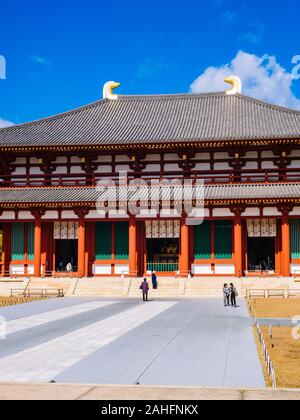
x,y
59,174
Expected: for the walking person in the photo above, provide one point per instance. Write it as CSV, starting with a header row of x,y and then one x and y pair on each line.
x,y
145,290
233,295
154,281
226,293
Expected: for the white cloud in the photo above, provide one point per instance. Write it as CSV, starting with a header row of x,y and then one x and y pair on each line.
x,y
4,123
262,77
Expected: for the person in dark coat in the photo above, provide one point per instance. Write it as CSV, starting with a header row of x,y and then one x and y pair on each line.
x,y
145,290
154,281
233,295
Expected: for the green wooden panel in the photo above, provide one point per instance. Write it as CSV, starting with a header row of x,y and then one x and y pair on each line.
x,y
295,239
202,241
223,240
30,241
17,242
103,241
122,240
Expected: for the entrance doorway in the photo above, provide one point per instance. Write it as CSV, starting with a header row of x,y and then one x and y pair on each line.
x,y
162,255
261,254
66,253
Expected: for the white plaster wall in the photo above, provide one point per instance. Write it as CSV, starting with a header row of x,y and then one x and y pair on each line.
x,y
19,171
295,153
295,268
173,156
123,158
204,269
202,166
251,212
268,165
221,166
103,158
222,213
31,269
51,215
152,168
172,167
251,166
61,170
93,214
221,155
123,168
121,269
227,269
76,159
103,169
202,156
101,269
20,161
68,214
25,215
16,269
267,154
295,212
251,155
152,158
271,212
77,170
295,164
61,159
36,171
8,215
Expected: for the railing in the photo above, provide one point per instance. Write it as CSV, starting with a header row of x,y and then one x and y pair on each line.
x,y
43,293
272,293
267,358
217,177
163,267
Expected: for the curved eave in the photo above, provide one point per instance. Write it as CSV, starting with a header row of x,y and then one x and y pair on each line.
x,y
218,144
207,203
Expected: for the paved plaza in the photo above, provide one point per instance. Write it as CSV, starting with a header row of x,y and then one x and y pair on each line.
x,y
126,342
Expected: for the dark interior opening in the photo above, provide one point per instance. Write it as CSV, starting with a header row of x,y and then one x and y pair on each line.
x,y
162,255
66,252
261,254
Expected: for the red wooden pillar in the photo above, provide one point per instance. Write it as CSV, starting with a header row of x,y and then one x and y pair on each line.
x,y
184,249
132,248
81,213
6,248
238,240
38,241
81,246
286,246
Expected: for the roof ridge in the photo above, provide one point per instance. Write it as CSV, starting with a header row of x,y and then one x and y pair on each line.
x,y
55,117
268,105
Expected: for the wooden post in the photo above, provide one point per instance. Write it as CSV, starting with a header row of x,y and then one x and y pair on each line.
x,y
184,249
132,248
238,240
286,246
37,241
81,213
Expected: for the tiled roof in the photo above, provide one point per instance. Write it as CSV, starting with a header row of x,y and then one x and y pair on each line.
x,y
90,195
158,119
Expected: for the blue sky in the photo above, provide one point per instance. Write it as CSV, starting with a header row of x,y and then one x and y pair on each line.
x,y
60,53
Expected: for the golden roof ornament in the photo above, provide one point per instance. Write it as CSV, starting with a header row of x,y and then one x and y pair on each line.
x,y
108,90
236,83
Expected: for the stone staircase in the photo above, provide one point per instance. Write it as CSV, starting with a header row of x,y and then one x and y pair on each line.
x,y
102,287
6,285
67,284
168,287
